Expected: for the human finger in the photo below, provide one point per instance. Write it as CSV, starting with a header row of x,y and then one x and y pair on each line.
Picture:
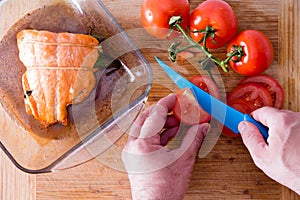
x,y
156,120
138,123
193,139
263,115
171,121
254,142
168,135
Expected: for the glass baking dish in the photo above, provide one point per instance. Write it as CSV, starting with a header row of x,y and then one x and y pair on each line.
x,y
95,124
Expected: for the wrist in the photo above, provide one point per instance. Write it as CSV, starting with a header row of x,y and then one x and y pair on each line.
x,y
155,194
144,187
153,188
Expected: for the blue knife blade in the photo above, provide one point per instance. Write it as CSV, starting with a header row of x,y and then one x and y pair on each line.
x,y
225,114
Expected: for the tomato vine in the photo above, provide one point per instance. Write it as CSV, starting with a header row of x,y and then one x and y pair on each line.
x,y
174,49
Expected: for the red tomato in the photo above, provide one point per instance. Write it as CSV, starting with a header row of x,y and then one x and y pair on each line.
x,y
258,52
155,15
247,97
206,84
220,16
271,85
187,109
244,107
256,95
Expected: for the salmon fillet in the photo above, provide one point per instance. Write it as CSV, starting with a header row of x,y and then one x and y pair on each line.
x,y
59,72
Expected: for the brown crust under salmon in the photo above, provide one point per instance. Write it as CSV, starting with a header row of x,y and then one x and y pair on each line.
x,y
59,72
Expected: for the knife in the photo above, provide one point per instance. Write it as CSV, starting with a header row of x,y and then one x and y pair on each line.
x,y
223,113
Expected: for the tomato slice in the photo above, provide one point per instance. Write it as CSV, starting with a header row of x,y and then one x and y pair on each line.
x,y
274,88
255,94
252,93
186,109
244,107
246,98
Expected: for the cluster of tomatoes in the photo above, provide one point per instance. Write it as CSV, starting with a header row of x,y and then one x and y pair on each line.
x,y
257,49
257,55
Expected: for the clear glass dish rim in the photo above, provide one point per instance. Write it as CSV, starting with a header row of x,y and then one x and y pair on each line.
x,y
95,133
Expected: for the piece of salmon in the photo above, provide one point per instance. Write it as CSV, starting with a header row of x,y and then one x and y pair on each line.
x,y
59,72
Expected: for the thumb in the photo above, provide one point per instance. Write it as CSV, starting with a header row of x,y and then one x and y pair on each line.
x,y
253,140
193,139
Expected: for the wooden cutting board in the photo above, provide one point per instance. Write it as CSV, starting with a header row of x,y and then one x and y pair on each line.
x,y
227,172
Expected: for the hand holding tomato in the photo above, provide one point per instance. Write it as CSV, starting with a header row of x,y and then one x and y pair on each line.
x,y
279,158
153,169
186,109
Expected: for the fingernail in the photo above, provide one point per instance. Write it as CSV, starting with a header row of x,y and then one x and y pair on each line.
x,y
205,129
242,126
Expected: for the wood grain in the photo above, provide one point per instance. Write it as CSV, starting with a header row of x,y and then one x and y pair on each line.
x,y
15,184
227,172
289,60
289,36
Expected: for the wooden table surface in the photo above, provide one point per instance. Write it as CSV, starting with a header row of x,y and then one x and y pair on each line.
x,y
227,172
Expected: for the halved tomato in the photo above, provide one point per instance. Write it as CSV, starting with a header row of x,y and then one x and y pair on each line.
x,y
186,109
271,85
246,98
254,94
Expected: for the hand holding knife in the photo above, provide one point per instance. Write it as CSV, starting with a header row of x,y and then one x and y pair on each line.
x,y
225,114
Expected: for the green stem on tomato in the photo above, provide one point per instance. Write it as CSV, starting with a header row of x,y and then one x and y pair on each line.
x,y
206,65
209,31
185,48
203,48
237,52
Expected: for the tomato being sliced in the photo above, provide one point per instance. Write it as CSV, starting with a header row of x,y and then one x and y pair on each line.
x,y
187,109
219,15
255,94
271,85
206,84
